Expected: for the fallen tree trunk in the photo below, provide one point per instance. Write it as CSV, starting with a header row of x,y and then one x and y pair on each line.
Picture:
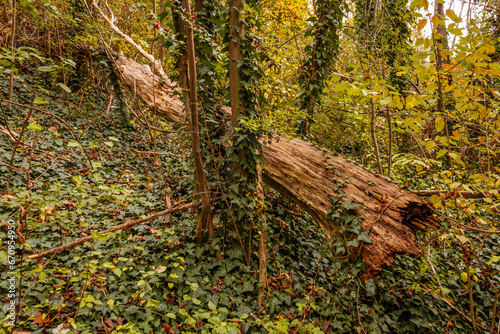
x,y
304,173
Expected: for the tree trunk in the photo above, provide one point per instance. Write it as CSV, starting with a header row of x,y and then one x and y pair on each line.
x,y
304,173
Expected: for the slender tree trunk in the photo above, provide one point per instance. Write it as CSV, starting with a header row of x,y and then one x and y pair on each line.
x,y
441,45
262,241
374,136
160,45
389,153
12,45
236,31
201,179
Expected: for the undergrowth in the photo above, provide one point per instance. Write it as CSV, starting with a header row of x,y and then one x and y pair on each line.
x,y
82,169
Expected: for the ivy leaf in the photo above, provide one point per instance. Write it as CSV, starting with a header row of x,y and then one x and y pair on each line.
x,y
111,303
152,303
73,143
34,126
161,269
371,288
118,272
63,86
348,205
364,236
39,100
463,240
494,259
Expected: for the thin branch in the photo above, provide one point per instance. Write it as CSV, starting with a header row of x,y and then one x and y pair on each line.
x,y
113,229
151,58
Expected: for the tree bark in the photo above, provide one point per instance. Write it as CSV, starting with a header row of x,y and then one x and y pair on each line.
x,y
201,179
302,172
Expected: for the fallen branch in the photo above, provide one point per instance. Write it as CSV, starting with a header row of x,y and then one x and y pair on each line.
x,y
464,194
149,57
161,153
451,306
112,229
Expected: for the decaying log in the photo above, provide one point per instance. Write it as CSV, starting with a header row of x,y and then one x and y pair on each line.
x,y
303,172
158,93
308,174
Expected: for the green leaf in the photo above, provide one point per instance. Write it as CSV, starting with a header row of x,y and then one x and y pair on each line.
x,y
97,176
152,303
45,68
113,138
348,205
63,86
96,164
73,143
109,143
386,100
95,235
171,315
117,271
34,126
141,282
494,259
439,124
108,265
364,236
371,288
174,275
3,256
211,306
39,100
111,303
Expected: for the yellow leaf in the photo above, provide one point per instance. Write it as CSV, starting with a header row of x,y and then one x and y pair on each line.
x,y
434,20
439,124
421,24
489,48
410,101
451,14
435,199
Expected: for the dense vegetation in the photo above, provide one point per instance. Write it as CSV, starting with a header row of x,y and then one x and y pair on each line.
x,y
405,89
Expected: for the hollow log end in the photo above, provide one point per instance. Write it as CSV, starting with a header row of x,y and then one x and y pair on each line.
x,y
418,215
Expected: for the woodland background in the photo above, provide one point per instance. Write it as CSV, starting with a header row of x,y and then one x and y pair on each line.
x,y
409,90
